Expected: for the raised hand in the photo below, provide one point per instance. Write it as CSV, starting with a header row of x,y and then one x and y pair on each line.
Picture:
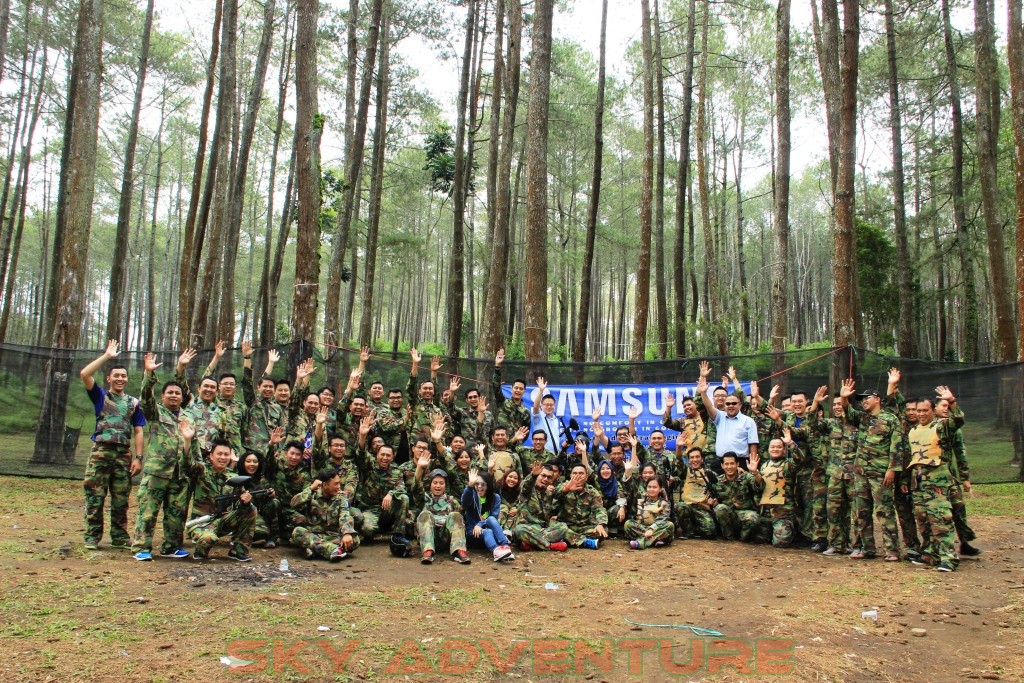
x,y
481,406
423,461
113,348
435,364
305,370
848,389
596,415
453,385
219,349
787,436
702,385
773,394
186,356
725,381
186,429
276,435
633,413
732,373
943,392
149,362
821,394
273,355
628,463
536,468
480,450
415,355
437,433
894,376
670,402
499,358
772,412
634,442
321,415
755,392
520,434
753,463
366,425
364,354
705,369
542,384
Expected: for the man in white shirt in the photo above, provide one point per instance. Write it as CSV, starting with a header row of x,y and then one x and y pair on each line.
x,y
543,416
735,432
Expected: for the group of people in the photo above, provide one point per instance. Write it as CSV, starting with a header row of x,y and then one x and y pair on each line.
x,y
449,471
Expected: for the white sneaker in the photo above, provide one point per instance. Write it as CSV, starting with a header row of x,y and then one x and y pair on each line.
x,y
502,552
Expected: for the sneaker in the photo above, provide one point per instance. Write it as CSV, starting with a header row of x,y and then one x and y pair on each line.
x,y
944,567
857,554
558,546
239,557
524,546
338,555
92,545
178,554
428,557
659,544
200,556
590,543
461,557
270,544
818,548
968,550
145,556
501,552
922,560
830,551
121,545
635,545
911,554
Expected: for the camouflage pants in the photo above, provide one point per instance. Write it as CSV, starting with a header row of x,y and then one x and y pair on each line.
x,y
287,519
956,499
239,523
814,491
169,495
614,525
452,533
376,519
875,502
107,472
908,521
931,505
693,520
838,508
321,545
780,519
736,523
267,521
663,531
541,537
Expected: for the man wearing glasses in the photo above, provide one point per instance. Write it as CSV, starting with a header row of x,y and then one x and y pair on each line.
x,y
734,431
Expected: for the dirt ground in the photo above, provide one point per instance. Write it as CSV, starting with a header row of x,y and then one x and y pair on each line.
x,y
75,615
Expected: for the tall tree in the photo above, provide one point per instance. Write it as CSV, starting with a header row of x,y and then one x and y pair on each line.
x,y
905,334
643,268
969,348
124,207
308,127
1015,52
579,351
987,106
457,279
495,306
535,300
81,134
660,285
780,273
682,185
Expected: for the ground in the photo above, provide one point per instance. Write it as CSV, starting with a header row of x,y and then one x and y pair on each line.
x,y
73,615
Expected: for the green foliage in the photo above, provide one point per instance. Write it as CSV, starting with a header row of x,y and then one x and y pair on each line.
x,y
876,276
440,152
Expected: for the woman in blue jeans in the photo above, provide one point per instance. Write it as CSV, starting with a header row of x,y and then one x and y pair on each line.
x,y
481,506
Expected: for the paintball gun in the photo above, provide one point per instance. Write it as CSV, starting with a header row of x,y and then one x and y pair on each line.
x,y
227,501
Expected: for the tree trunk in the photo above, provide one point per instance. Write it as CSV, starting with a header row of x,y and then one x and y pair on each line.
x,y
151,309
660,285
905,332
780,273
5,24
380,135
189,254
682,185
69,296
970,303
354,163
308,127
843,262
287,213
494,132
1015,50
579,351
241,168
124,208
535,300
643,270
987,105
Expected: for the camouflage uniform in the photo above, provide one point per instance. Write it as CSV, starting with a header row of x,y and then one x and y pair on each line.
x,y
422,414
288,482
777,509
164,476
261,417
930,479
208,419
736,512
651,515
301,425
465,423
961,472
881,447
810,489
536,526
693,513
235,421
376,484
903,502
840,436
326,522
510,415
505,460
440,522
108,468
664,462
239,521
391,425
581,511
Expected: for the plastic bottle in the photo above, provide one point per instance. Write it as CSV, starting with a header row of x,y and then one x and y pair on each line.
x,y
284,565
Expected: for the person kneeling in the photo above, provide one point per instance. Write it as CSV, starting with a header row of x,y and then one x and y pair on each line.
x,y
653,523
210,480
329,532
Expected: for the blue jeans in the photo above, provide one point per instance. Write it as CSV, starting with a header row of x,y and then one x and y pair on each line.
x,y
491,535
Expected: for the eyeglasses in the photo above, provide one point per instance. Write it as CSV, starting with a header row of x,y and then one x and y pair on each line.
x,y
731,403
480,485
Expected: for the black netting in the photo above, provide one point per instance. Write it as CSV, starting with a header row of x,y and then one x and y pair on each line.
x,y
992,396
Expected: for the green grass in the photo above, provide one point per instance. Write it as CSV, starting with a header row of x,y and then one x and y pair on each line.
x,y
998,500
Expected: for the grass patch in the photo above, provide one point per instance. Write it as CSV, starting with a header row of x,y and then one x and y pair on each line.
x,y
997,500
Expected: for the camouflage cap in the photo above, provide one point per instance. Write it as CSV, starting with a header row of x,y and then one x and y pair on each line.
x,y
437,473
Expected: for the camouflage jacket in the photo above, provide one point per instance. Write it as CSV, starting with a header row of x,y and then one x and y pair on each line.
x,y
881,444
288,481
374,483
209,419
207,485
330,517
509,415
932,457
840,441
580,510
741,493
422,413
535,506
261,417
391,424
653,514
166,456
